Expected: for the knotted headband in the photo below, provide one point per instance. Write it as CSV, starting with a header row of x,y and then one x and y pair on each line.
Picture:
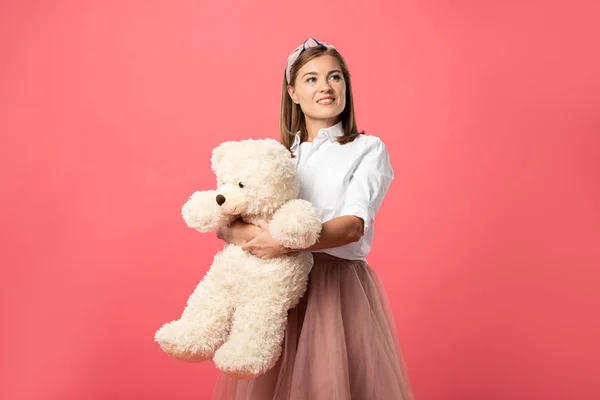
x,y
308,43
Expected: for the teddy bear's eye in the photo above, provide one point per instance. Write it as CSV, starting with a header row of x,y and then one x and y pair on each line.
x,y
241,185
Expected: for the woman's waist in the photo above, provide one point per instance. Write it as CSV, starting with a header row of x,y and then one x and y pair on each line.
x,y
324,258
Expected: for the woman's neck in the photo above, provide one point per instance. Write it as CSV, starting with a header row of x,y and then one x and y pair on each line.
x,y
314,125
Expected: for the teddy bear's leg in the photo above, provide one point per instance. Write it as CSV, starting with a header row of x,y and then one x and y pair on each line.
x,y
203,326
255,342
206,320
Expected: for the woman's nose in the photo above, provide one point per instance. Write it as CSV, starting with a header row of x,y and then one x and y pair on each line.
x,y
325,87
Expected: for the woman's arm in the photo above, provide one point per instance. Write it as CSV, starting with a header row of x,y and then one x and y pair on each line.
x,y
334,233
337,232
238,232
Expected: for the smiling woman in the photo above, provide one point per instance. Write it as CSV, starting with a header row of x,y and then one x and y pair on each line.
x,y
321,90
319,95
340,341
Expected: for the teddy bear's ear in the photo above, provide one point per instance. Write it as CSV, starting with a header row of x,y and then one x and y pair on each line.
x,y
277,149
219,152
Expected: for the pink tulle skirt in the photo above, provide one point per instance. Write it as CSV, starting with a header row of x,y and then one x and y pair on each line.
x,y
340,343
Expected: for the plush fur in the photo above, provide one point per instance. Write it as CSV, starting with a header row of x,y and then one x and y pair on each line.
x,y
237,314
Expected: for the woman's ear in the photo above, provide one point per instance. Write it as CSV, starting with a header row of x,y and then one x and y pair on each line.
x,y
292,93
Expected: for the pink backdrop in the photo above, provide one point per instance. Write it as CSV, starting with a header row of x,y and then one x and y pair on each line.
x,y
488,241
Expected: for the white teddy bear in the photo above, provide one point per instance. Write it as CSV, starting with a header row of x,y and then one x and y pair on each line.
x,y
237,314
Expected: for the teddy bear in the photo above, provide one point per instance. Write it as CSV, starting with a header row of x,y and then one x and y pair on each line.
x,y
237,314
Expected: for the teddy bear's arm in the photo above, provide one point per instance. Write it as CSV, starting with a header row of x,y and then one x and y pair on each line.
x,y
296,225
202,213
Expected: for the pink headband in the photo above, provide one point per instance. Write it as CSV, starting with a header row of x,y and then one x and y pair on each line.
x,y
308,43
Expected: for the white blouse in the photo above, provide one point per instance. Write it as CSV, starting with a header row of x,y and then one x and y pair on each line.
x,y
348,179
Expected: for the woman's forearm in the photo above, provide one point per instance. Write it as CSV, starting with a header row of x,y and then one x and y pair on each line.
x,y
339,231
334,233
238,232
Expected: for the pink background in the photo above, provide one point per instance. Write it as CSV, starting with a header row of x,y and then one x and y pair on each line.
x,y
488,242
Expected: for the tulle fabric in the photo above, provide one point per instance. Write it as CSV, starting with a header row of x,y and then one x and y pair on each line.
x,y
340,343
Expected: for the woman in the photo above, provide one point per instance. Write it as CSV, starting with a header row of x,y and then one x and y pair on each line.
x,y
340,341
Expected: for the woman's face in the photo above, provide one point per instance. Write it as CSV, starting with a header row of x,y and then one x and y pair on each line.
x,y
320,89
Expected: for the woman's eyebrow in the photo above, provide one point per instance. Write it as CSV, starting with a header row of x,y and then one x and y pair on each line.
x,y
314,73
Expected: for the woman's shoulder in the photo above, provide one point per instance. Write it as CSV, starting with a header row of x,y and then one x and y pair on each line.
x,y
367,139
370,143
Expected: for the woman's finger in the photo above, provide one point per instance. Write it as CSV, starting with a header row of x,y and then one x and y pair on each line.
x,y
263,225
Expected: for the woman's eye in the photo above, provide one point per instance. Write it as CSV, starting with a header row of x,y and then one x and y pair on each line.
x,y
241,185
337,77
311,79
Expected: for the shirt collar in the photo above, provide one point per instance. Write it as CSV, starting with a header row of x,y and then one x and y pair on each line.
x,y
332,133
294,145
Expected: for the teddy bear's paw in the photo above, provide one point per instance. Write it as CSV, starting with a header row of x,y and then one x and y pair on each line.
x,y
188,341
240,361
296,225
184,354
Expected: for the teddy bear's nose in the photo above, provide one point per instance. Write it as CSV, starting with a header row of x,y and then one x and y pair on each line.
x,y
220,199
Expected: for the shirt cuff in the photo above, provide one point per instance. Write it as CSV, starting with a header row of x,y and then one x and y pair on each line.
x,y
358,211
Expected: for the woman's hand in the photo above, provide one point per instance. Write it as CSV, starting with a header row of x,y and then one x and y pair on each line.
x,y
264,246
238,232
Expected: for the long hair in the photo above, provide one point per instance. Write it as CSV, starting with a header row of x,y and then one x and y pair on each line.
x,y
291,118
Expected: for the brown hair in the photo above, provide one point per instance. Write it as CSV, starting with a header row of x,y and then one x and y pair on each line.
x,y
291,119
